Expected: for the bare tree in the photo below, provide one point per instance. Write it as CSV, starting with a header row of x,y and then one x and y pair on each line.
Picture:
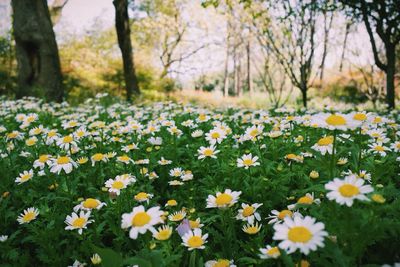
x,y
291,39
382,18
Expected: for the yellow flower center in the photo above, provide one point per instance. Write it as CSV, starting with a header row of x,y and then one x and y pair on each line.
x,y
215,135
254,133
98,156
124,158
223,199
208,152
30,142
325,141
378,198
273,251
140,219
291,156
26,177
377,120
163,234
379,148
51,134
335,120
194,224
252,230
172,202
248,211
30,119
284,213
79,222
348,190
141,196
202,117
12,135
247,162
43,158
67,139
63,160
91,203
222,263
305,200
360,117
29,217
299,234
195,241
82,160
178,217
118,185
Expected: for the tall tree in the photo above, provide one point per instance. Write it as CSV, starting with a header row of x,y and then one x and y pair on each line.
x,y
124,41
39,71
291,37
382,18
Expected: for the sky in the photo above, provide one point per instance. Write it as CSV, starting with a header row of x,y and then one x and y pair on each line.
x,y
79,15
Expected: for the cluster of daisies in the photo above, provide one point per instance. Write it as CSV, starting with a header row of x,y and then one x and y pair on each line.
x,y
132,157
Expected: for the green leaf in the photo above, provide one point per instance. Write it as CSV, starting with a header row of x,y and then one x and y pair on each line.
x,y
109,258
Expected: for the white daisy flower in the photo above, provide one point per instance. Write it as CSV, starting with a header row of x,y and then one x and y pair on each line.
x,y
164,161
197,133
324,145
277,216
249,213
177,216
62,163
209,152
140,220
28,215
24,177
75,222
42,161
304,234
247,160
253,132
143,197
378,148
155,141
194,239
223,200
116,185
66,142
3,238
216,135
220,263
90,204
98,157
269,252
176,172
347,190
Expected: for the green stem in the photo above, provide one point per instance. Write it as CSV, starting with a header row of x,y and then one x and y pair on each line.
x,y
192,260
333,155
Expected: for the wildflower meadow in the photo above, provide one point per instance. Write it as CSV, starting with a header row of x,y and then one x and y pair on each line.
x,y
166,184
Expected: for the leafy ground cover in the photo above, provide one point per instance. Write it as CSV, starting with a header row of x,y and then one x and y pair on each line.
x,y
168,184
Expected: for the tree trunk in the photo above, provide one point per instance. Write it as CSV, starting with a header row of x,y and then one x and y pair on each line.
x,y
124,41
39,71
304,96
390,75
226,75
248,68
